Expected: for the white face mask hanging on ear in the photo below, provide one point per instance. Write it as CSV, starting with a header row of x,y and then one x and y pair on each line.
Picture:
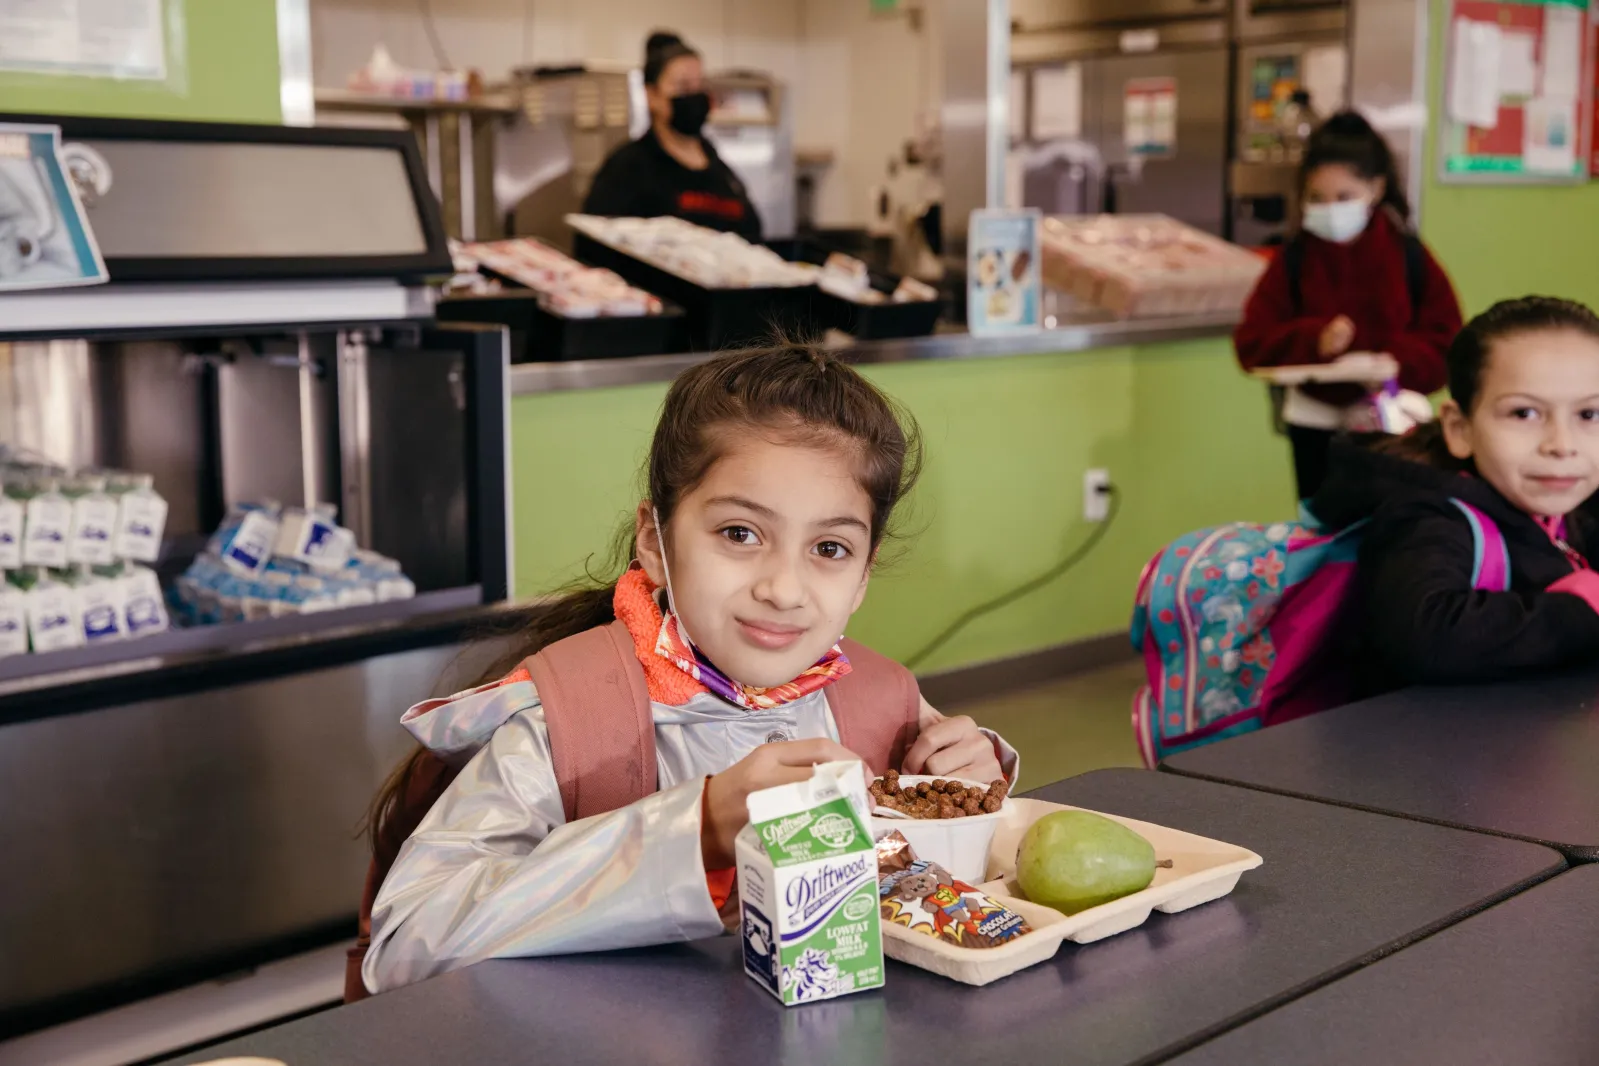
x,y
671,600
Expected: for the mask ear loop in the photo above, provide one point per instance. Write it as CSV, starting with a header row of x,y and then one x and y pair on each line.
x,y
671,599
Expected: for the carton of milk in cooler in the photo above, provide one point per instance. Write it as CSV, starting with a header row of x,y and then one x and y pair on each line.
x,y
807,882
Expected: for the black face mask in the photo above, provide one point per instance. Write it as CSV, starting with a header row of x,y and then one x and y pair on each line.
x,y
689,113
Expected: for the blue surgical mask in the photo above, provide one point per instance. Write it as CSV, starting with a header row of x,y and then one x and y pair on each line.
x,y
1339,222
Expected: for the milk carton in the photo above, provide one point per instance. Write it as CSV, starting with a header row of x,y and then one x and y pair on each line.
x,y
807,882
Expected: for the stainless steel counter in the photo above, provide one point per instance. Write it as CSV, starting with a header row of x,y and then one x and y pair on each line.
x,y
527,378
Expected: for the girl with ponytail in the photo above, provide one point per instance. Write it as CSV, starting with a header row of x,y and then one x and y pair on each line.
x,y
1354,278
771,481
1515,452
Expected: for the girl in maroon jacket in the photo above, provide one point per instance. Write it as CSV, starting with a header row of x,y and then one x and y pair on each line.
x,y
1354,279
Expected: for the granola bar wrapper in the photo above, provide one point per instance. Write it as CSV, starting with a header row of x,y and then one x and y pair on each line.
x,y
923,896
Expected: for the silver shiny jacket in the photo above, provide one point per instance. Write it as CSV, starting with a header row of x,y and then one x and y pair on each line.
x,y
495,870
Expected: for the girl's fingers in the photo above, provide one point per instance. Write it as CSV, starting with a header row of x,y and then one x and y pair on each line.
x,y
945,734
967,755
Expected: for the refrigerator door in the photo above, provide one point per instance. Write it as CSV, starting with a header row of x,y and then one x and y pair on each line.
x,y
1060,157
1164,134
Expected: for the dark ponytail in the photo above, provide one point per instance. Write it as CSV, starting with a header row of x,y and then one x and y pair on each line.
x,y
1347,139
1467,360
660,49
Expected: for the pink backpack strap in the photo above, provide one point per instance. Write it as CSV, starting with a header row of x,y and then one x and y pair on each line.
x,y
876,707
597,709
1490,564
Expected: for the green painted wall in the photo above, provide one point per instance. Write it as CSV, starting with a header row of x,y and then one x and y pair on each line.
x,y
1505,240
222,67
1185,436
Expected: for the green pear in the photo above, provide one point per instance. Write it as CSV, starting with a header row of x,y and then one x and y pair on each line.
x,y
1073,860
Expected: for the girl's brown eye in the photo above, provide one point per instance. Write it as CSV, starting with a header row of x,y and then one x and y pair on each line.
x,y
739,534
832,549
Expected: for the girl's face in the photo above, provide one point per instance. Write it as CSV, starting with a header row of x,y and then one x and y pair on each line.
x,y
1534,431
769,556
1335,183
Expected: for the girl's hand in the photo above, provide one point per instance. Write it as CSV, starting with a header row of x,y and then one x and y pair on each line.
x,y
770,765
1336,337
952,747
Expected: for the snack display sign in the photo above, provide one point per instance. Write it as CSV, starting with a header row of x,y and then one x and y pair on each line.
x,y
1002,272
45,241
808,893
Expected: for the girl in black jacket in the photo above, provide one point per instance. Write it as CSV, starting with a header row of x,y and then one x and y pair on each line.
x,y
1519,441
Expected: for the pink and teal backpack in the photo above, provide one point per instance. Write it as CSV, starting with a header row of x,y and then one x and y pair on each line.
x,y
1245,626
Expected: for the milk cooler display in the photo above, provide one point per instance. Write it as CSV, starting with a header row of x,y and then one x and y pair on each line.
x,y
252,502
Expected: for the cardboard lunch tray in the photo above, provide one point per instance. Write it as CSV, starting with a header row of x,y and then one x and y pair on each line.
x,y
1359,368
1202,870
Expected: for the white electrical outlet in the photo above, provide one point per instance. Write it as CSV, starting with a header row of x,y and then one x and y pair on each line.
x,y
1096,495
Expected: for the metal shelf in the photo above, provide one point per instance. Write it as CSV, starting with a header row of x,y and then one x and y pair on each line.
x,y
130,308
24,674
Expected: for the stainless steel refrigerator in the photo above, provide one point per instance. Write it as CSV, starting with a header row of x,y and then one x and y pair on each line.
x,y
1123,107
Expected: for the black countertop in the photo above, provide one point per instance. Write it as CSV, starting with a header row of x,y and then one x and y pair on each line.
x,y
1515,984
1339,889
1519,759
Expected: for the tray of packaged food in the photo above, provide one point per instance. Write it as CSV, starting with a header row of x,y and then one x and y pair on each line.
x,y
1138,266
1050,874
733,293
867,303
555,307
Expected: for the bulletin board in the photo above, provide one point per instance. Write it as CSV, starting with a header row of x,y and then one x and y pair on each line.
x,y
1518,92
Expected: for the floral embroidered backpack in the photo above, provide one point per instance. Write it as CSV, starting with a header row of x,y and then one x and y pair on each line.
x,y
1245,626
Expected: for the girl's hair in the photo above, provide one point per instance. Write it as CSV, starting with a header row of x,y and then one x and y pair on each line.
x,y
659,50
791,393
1468,359
1347,139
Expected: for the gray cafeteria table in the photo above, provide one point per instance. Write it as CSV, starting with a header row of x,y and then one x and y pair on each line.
x,y
1520,760
1514,984
1339,889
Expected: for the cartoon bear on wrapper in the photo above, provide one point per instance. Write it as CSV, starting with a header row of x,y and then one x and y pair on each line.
x,y
941,896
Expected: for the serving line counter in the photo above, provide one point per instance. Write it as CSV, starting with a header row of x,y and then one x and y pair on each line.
x,y
180,799
946,344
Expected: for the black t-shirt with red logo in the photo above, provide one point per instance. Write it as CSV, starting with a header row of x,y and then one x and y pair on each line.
x,y
641,180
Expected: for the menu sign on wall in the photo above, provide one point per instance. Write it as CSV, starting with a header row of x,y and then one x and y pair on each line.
x,y
93,38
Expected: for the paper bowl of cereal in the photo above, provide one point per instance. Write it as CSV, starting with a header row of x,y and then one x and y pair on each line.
x,y
949,821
